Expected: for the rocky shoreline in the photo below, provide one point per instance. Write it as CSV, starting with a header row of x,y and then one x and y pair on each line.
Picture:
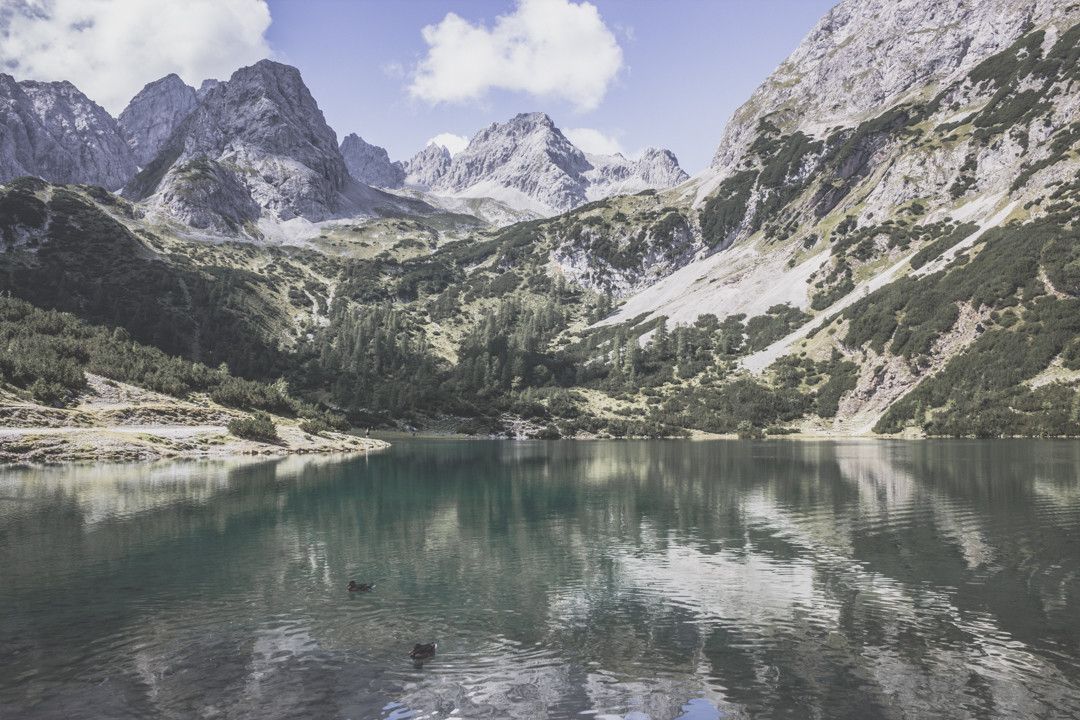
x,y
115,422
36,446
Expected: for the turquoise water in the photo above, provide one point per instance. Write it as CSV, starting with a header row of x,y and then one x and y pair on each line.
x,y
660,579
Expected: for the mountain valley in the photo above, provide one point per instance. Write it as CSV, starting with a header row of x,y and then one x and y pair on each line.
x,y
886,243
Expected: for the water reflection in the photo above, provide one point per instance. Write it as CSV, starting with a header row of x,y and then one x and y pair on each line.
x,y
621,579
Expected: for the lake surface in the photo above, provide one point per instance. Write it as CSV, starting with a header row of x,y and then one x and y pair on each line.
x,y
664,579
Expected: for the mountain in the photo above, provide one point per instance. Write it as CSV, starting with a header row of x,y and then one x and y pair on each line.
x,y
864,55
526,161
206,86
938,122
529,164
370,164
154,113
427,166
616,175
907,180
53,131
885,243
256,145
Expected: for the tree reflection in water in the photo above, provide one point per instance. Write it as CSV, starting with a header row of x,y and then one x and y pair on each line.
x,y
628,579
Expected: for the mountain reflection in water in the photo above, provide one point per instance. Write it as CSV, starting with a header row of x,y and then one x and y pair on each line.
x,y
632,579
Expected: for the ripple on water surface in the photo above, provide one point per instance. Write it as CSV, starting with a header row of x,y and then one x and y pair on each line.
x,y
631,580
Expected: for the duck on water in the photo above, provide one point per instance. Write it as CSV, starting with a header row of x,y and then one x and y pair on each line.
x,y
420,651
360,587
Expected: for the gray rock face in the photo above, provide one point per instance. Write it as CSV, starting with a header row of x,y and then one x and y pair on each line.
x,y
370,164
859,74
53,131
427,166
258,140
526,160
867,54
659,168
878,117
209,196
529,164
206,86
151,117
616,175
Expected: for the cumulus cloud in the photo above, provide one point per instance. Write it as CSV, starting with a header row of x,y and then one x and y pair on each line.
x,y
547,48
110,48
593,141
450,141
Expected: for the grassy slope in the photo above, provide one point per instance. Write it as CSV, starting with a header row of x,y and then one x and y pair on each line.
x,y
69,390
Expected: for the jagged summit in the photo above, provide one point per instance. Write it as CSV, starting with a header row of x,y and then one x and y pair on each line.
x,y
528,163
53,131
865,55
206,86
370,164
427,166
658,167
154,113
220,157
618,175
524,161
256,144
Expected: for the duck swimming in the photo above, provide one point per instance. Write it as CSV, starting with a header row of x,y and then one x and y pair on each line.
x,y
361,587
423,652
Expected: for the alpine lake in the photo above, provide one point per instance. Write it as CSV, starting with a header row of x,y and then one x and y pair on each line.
x,y
562,579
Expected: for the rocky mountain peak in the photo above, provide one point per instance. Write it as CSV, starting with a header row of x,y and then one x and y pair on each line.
x,y
525,161
524,132
206,86
53,131
528,163
609,175
370,164
531,120
427,166
256,143
660,168
267,110
866,55
154,113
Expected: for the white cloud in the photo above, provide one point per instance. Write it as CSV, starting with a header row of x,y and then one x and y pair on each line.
x,y
110,48
547,48
394,70
593,141
627,31
450,141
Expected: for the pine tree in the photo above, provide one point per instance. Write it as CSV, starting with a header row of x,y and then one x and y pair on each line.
x,y
661,341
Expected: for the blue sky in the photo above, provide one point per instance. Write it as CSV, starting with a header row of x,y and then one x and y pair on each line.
x,y
685,66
